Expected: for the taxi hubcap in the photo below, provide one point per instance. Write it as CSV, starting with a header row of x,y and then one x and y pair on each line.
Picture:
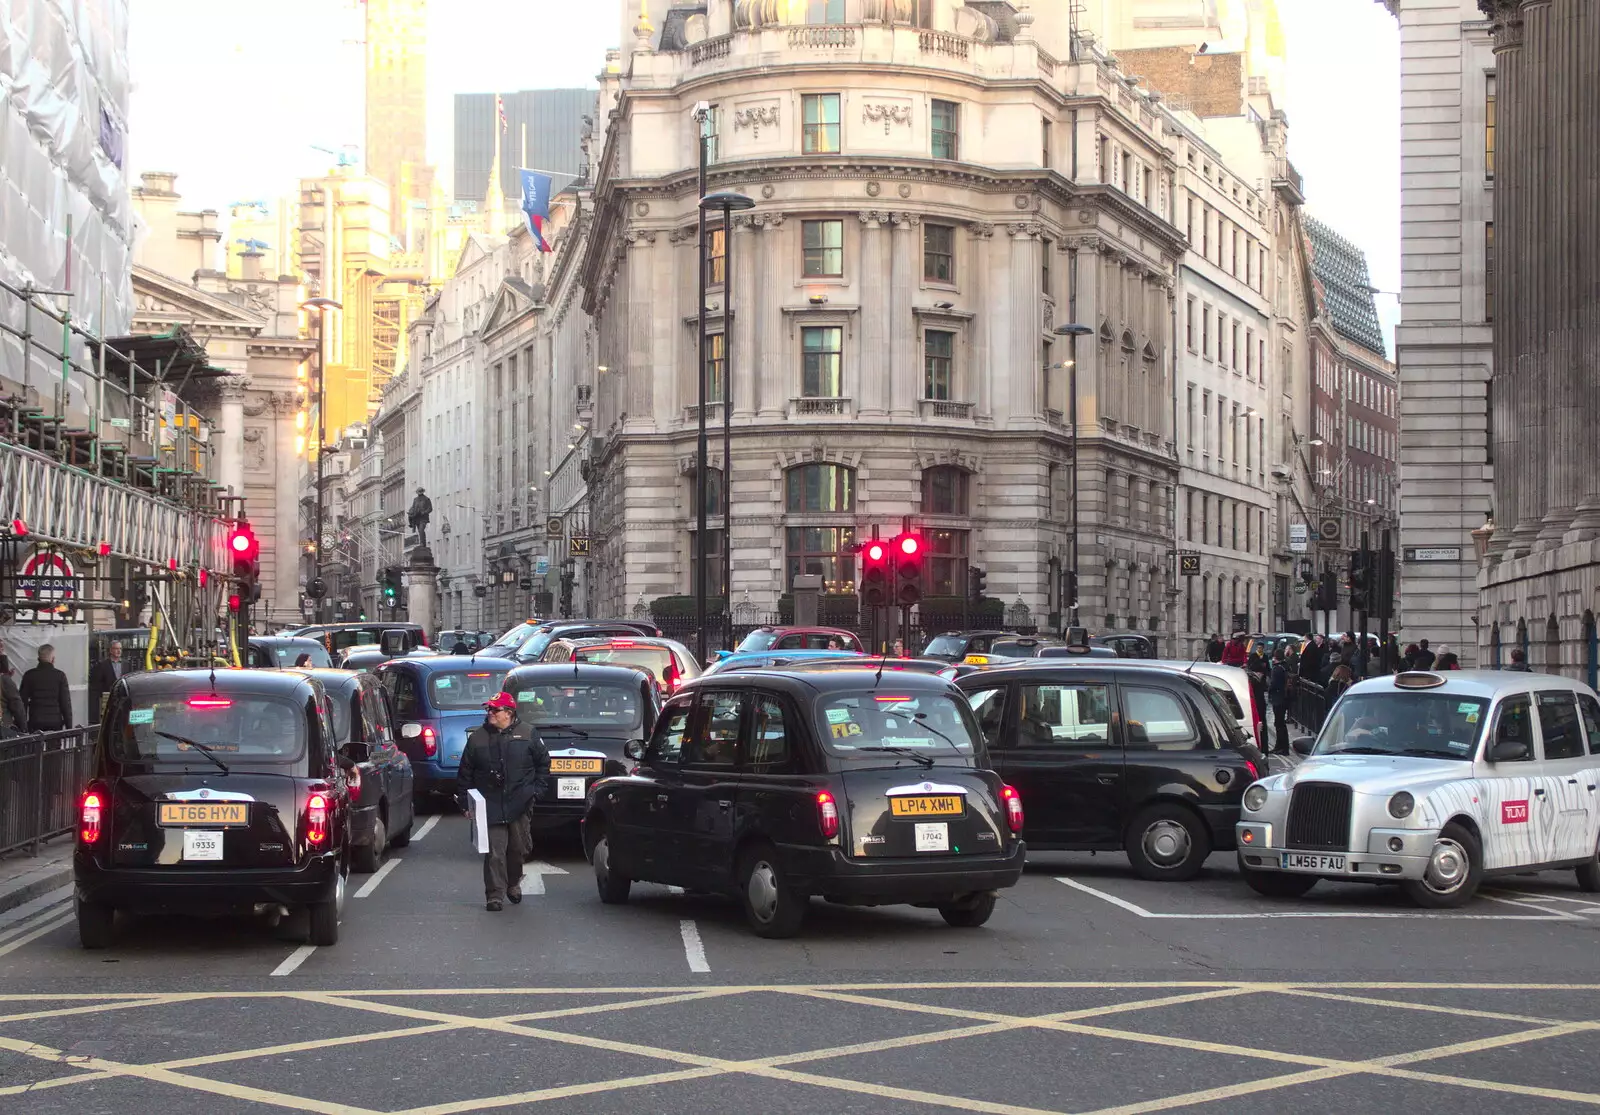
x,y
763,891
338,892
1166,842
602,857
1447,867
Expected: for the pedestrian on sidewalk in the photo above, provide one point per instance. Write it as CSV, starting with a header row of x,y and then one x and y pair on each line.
x,y
506,763
1278,698
46,694
13,713
1448,660
1235,653
103,679
1425,657
1519,661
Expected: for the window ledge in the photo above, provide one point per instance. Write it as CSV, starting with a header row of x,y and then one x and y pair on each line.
x,y
820,407
945,408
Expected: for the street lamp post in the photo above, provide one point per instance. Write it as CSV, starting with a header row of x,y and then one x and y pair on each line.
x,y
1074,331
729,201
320,306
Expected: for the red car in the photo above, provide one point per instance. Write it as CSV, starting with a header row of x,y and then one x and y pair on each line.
x,y
800,638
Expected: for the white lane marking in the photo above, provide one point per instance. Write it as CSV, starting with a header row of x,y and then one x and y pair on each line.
x,y
377,877
1372,915
532,882
38,931
539,867
427,827
15,916
294,960
35,919
674,890
1545,897
692,946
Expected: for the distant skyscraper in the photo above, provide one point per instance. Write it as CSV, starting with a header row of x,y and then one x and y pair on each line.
x,y
544,131
397,85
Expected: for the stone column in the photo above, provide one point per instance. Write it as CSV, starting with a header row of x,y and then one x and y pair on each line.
x,y
639,396
777,378
1022,323
1510,177
230,441
905,349
421,579
979,278
872,366
747,280
1582,30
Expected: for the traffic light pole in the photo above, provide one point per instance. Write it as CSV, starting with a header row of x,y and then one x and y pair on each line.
x,y
1385,598
1366,555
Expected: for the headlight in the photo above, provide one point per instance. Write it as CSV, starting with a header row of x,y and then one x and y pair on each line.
x,y
1401,805
1254,798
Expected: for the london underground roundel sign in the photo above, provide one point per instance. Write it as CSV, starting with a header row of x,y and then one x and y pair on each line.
x,y
46,578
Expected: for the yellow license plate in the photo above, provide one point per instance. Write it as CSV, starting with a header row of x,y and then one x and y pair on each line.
x,y
205,813
576,766
942,806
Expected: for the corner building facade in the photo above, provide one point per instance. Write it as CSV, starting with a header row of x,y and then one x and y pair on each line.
x,y
936,191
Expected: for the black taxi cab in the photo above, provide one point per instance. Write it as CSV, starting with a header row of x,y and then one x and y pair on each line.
x,y
214,792
861,786
586,715
1116,755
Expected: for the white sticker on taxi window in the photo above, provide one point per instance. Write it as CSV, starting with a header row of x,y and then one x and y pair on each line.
x,y
445,683
838,715
142,716
1466,706
1458,745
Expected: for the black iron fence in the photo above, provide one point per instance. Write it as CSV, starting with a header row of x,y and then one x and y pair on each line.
x,y
1308,704
40,779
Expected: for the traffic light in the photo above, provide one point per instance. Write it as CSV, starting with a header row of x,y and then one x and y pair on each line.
x,y
909,551
1360,580
1069,589
1381,596
977,582
245,551
875,586
389,582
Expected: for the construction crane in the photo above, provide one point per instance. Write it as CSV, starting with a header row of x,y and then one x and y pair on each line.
x,y
347,154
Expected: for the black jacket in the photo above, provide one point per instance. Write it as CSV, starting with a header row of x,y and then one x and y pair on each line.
x,y
102,677
13,714
1278,686
45,691
511,769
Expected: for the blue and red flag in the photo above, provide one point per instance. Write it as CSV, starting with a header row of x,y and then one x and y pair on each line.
x,y
536,204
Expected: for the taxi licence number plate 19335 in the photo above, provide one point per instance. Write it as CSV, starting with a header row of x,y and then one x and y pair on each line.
x,y
926,805
1306,861
202,844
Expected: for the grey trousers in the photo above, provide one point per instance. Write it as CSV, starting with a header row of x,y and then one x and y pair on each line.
x,y
502,864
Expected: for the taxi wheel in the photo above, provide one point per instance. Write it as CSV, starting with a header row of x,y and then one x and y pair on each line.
x,y
1589,873
771,906
95,922
1277,884
971,912
325,916
1455,868
402,839
1167,843
613,887
369,857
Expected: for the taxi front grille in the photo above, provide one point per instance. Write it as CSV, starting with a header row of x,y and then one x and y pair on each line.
x,y
1319,817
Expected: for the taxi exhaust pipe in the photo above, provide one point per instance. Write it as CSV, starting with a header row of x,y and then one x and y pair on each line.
x,y
274,913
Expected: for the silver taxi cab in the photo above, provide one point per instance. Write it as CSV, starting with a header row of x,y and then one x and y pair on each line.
x,y
1434,782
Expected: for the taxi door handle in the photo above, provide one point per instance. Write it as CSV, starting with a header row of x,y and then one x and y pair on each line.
x,y
1539,793
1108,779
725,805
1574,782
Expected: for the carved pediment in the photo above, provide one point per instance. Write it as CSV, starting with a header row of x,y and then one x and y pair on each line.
x,y
161,296
509,304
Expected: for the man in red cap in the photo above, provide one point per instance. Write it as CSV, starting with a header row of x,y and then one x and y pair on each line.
x,y
506,763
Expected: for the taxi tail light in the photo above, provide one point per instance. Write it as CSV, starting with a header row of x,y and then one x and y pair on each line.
x,y
352,778
91,812
210,701
317,818
672,677
430,742
1013,800
827,815
1255,771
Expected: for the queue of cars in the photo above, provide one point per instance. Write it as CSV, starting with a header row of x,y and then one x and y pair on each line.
x,y
785,774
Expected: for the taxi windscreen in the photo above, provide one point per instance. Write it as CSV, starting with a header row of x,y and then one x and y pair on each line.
x,y
183,728
925,723
758,640
658,660
456,690
599,705
1428,725
945,646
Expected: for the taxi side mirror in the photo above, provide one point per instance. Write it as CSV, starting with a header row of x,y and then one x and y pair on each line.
x,y
634,749
1301,745
1508,751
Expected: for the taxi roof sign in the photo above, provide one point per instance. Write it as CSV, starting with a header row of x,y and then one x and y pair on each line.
x,y
1417,679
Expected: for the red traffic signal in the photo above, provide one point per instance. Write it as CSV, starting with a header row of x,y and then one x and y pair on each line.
x,y
875,586
908,549
233,602
876,551
242,543
910,545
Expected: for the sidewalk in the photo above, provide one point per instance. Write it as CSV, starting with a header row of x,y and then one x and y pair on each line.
x,y
24,878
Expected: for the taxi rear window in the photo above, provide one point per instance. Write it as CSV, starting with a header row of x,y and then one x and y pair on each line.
x,y
290,654
463,689
658,660
232,727
853,723
584,705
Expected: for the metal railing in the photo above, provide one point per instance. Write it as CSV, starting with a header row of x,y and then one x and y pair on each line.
x,y
1308,704
40,778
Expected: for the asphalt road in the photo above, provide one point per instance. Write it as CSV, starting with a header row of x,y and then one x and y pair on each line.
x,y
1090,990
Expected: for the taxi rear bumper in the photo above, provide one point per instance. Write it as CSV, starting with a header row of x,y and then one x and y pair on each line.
x,y
219,890
1389,855
832,874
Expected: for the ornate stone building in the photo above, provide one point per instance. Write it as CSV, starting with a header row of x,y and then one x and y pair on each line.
x,y
936,191
249,327
1542,584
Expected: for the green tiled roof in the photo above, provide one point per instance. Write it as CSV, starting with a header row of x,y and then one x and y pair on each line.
x,y
1346,287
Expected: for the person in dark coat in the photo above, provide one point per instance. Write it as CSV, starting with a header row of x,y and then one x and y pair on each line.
x,y
1214,649
506,763
1311,659
1448,660
1278,698
103,678
1519,660
1425,657
46,694
461,647
13,713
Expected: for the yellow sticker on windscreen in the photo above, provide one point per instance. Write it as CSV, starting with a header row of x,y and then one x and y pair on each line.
x,y
845,731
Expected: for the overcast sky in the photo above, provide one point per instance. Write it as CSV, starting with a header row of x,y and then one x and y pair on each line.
x,y
236,96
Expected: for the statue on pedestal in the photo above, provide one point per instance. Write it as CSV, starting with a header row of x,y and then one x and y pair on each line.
x,y
417,518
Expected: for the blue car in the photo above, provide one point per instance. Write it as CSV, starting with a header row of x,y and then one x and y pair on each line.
x,y
749,660
437,702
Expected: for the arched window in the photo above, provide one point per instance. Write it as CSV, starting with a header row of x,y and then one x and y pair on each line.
x,y
944,491
1494,645
1522,637
821,488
